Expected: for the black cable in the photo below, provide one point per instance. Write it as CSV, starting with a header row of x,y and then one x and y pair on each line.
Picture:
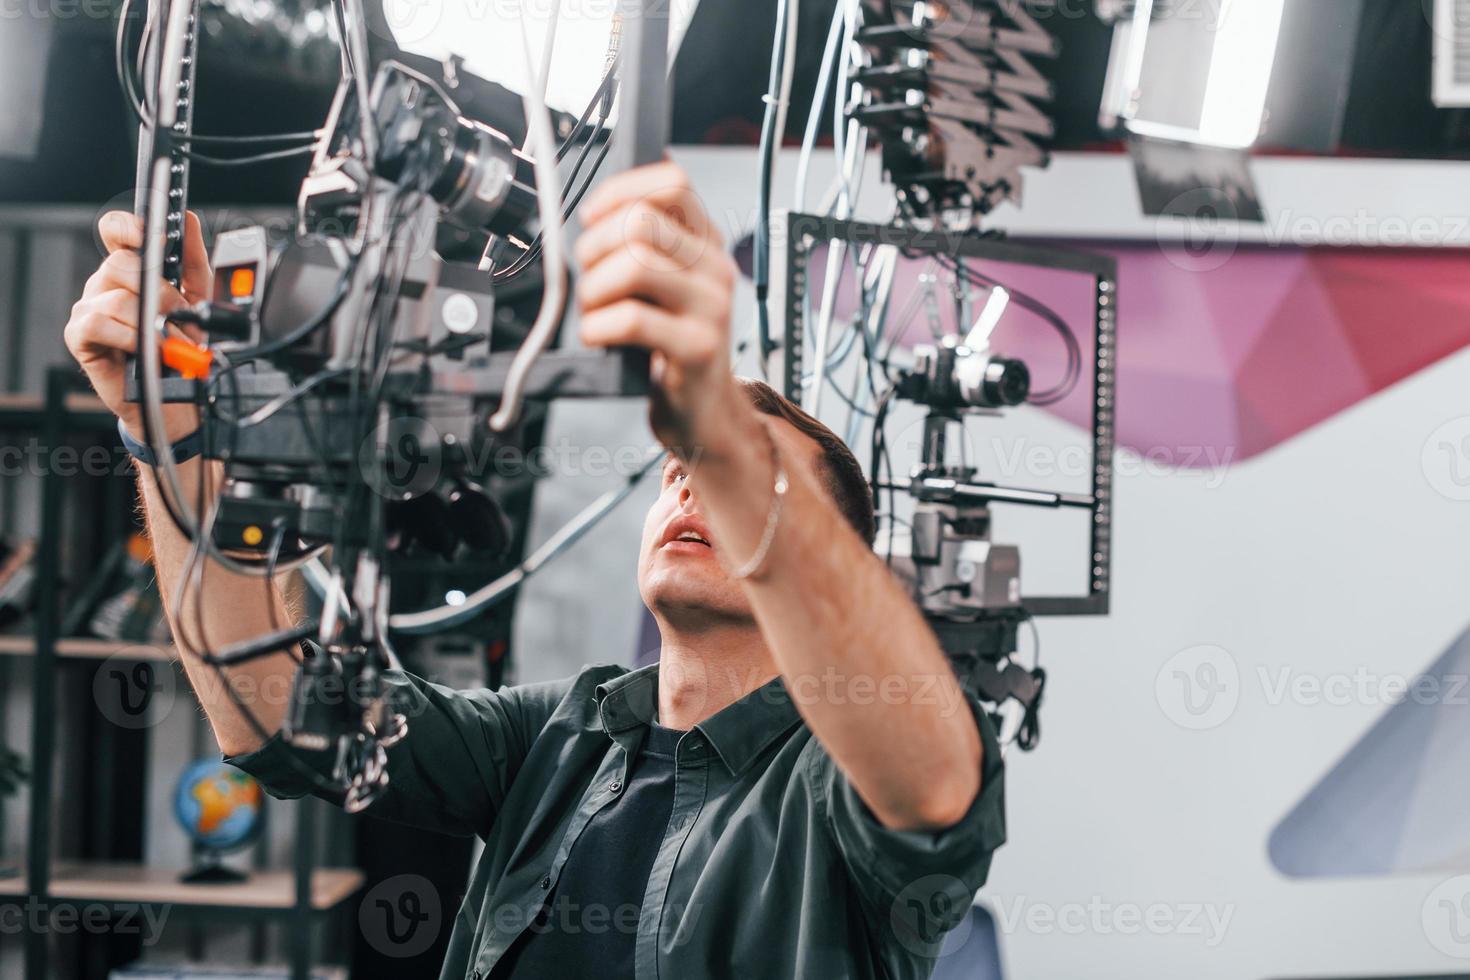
x,y
879,458
533,250
167,143
211,161
145,330
872,341
576,198
307,327
135,102
308,135
444,345
1026,301
194,572
380,332
1028,733
278,537
151,439
295,394
761,260
605,94
366,420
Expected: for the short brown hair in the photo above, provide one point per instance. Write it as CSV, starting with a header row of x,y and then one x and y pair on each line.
x,y
841,471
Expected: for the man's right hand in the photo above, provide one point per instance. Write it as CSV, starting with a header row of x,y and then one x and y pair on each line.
x,y
103,328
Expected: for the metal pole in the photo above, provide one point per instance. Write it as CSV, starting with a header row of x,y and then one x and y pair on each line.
x,y
300,928
643,108
43,684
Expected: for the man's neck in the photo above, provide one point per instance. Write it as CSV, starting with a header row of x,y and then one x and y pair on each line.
x,y
703,671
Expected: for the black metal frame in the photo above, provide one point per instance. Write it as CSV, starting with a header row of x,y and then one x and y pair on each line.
x,y
43,681
56,420
556,374
790,256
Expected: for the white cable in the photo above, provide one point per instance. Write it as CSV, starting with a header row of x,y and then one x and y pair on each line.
x,y
813,124
788,72
548,202
819,98
777,100
841,128
849,141
547,47
356,45
856,148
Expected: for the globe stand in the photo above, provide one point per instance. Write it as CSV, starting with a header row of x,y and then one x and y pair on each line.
x,y
210,870
219,808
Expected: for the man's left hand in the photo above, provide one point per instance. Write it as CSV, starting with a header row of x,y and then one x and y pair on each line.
x,y
655,274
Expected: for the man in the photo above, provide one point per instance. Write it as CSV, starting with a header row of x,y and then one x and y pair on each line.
x,y
799,788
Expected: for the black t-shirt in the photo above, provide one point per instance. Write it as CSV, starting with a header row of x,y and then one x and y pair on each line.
x,y
589,924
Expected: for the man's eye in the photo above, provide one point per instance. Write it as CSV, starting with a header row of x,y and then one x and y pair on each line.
x,y
676,475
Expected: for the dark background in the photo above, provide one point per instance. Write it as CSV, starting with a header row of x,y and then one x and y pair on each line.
x,y
249,83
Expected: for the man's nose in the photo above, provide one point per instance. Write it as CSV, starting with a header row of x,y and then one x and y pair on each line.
x,y
686,496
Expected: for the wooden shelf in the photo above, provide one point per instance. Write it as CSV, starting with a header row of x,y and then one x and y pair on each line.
x,y
29,411
35,403
263,891
86,649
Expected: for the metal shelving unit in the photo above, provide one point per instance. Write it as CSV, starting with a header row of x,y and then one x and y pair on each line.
x,y
298,895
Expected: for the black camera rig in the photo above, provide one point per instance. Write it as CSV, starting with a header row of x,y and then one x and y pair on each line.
x,y
339,361
968,585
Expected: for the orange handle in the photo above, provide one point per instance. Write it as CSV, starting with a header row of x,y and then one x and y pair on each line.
x,y
185,357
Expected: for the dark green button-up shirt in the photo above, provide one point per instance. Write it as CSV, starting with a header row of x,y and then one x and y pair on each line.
x,y
770,867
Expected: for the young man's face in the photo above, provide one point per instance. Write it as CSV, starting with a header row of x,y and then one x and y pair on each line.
x,y
681,578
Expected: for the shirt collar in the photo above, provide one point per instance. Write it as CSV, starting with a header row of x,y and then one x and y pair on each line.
x,y
739,733
628,700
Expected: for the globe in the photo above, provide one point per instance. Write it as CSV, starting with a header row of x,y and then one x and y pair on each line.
x,y
218,805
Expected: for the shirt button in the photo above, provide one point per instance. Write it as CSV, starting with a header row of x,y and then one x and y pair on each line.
x,y
546,882
614,786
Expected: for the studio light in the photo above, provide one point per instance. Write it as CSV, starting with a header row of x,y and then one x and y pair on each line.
x,y
1149,89
488,38
1240,71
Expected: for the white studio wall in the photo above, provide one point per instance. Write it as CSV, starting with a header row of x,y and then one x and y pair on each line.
x,y
1139,828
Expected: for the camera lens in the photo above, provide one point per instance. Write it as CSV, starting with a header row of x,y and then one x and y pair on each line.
x,y
1007,381
484,183
991,382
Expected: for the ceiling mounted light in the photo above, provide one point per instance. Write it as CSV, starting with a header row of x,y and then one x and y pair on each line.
x,y
1182,74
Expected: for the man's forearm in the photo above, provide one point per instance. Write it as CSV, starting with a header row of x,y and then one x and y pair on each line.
x,y
224,607
863,667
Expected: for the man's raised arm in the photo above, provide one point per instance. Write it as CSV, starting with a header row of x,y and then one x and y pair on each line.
x,y
862,666
101,333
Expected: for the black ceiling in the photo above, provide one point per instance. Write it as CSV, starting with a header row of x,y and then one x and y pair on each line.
x,y
86,145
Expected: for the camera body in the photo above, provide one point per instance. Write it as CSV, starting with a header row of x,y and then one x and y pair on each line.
x,y
952,376
946,555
